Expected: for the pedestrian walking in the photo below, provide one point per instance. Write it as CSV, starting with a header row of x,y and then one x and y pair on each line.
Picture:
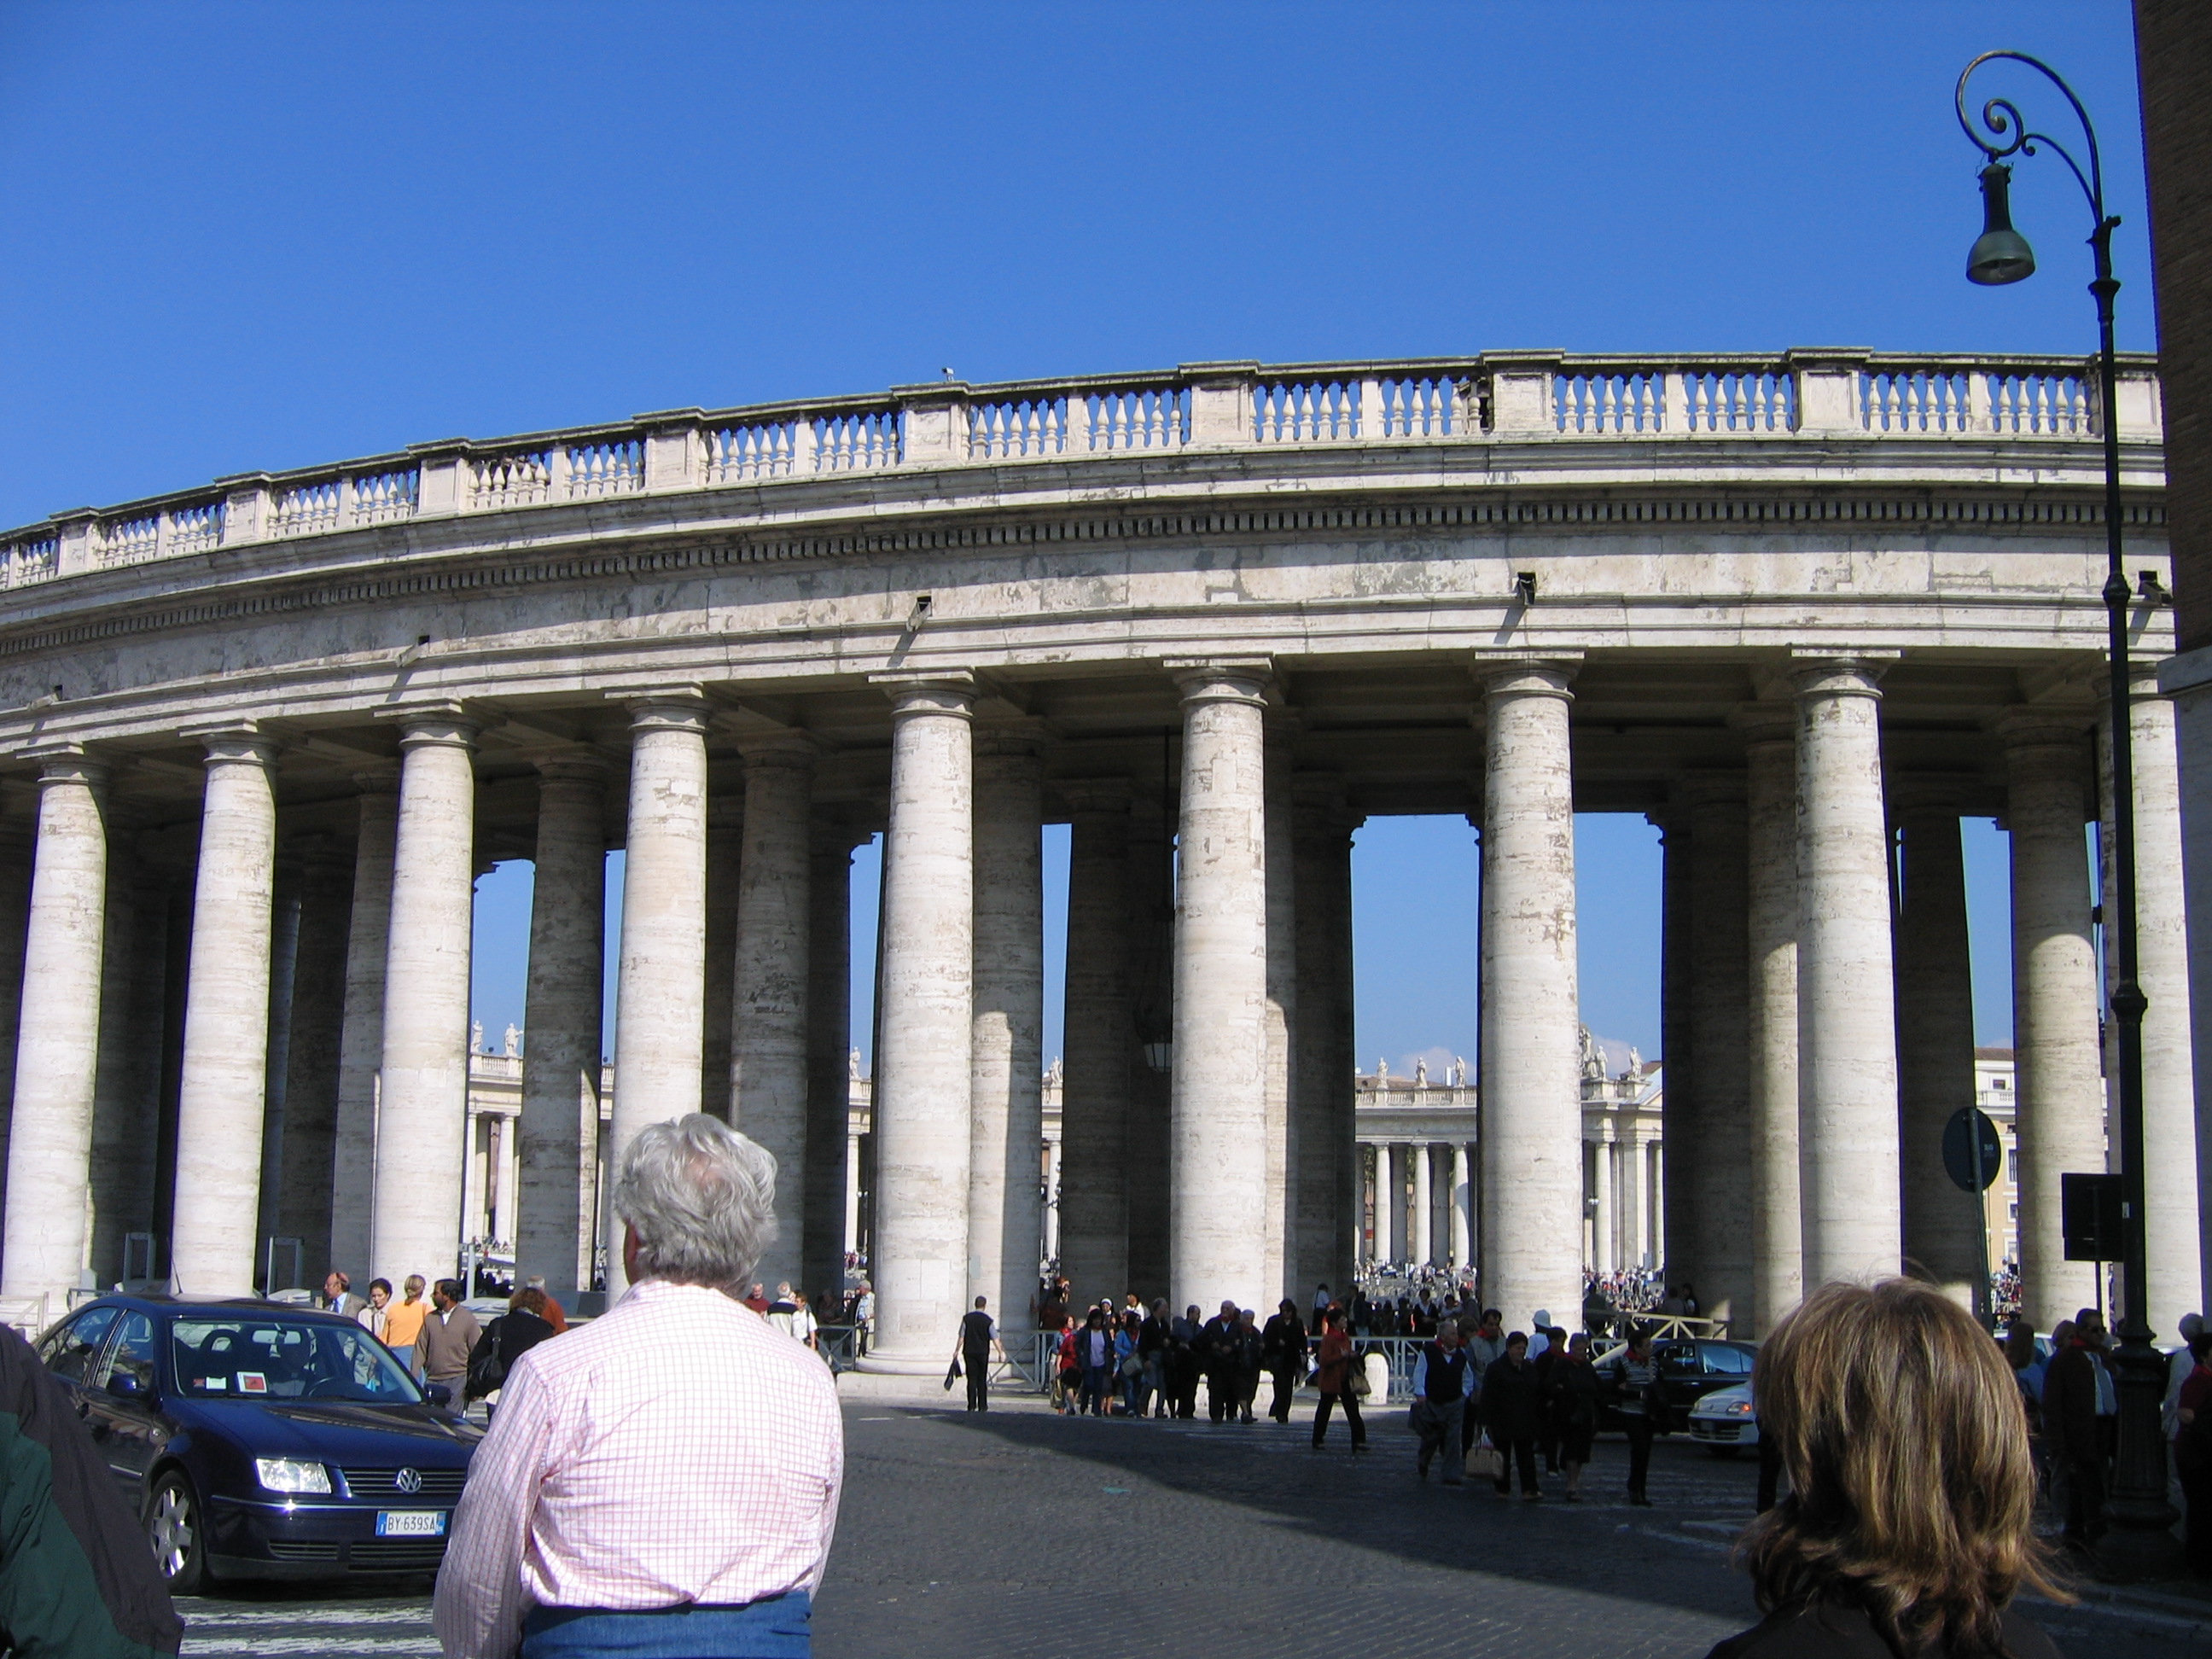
x,y
1185,1360
370,1318
1908,1532
1251,1362
979,1335
1543,1363
506,1339
1511,1411
1094,1352
339,1296
1283,1353
1153,1342
1217,1359
1573,1410
2071,1400
449,1337
1484,1341
1634,1375
1335,1379
2192,1453
1442,1403
598,1518
1129,1365
403,1321
864,1317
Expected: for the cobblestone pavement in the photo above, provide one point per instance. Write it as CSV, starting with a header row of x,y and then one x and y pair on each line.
x,y
1022,1533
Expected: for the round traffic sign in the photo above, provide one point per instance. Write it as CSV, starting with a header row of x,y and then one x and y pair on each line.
x,y
1967,1125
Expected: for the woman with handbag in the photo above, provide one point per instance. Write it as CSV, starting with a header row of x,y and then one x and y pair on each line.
x,y
1511,1411
1337,1382
1635,1374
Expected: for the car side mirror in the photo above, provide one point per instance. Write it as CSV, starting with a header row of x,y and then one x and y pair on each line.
x,y
128,1385
437,1393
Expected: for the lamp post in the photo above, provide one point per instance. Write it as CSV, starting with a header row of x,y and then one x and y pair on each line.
x,y
2000,255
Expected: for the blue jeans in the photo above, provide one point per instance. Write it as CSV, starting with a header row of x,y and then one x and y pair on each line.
x,y
775,1628
1097,1389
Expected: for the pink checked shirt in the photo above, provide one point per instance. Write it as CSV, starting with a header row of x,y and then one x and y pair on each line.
x,y
679,1450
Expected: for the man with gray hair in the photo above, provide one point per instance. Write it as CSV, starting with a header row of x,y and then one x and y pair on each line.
x,y
665,1478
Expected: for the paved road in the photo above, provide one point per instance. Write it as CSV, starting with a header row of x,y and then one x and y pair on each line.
x,y
1021,1533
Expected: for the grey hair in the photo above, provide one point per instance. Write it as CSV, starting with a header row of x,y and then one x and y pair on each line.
x,y
701,1199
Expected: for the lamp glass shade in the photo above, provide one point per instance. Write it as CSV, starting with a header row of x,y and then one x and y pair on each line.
x,y
2000,254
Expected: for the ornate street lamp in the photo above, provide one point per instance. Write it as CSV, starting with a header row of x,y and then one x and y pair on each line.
x,y
2000,255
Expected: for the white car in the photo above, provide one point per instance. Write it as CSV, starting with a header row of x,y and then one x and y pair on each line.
x,y
1723,1420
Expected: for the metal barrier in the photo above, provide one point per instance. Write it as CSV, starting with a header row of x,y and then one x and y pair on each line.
x,y
838,1345
27,1314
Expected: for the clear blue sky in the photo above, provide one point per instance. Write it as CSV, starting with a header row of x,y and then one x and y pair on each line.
x,y
260,236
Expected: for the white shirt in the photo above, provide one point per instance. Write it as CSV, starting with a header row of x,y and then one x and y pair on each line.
x,y
676,1450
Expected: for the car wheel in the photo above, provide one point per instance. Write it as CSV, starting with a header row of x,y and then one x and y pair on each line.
x,y
174,1529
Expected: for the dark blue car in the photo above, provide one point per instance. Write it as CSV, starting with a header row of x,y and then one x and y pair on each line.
x,y
258,1440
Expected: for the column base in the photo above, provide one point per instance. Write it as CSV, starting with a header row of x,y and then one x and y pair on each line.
x,y
877,1363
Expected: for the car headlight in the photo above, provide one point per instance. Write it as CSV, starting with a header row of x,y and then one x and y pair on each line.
x,y
1738,1408
291,1474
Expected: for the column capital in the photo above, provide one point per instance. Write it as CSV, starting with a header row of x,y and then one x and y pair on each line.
x,y
571,766
1526,674
833,835
1087,795
1921,794
678,707
787,751
1712,785
950,691
381,779
66,762
1840,673
442,723
1023,736
1222,679
1764,722
234,743
2033,725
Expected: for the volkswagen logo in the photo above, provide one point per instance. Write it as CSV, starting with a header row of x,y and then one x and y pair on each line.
x,y
408,1481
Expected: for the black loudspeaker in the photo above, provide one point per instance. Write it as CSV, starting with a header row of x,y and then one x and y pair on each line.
x,y
2089,1211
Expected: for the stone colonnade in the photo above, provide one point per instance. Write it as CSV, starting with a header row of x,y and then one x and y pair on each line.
x,y
1817,1030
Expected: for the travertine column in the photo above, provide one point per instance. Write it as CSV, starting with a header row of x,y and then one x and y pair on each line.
x,y
725,825
1219,1219
283,963
318,987
1281,1016
1531,1142
558,1125
1006,1091
57,1052
1151,1018
1720,948
1935,1039
659,1004
2192,715
923,1071
1425,1217
422,1122
1389,1193
1603,1258
1655,1196
1462,1238
832,1166
18,834
2059,1101
1343,1067
1323,1218
219,1109
1846,1007
1674,1243
1096,1076
361,1047
2170,1149
123,1125
768,1029
1778,1230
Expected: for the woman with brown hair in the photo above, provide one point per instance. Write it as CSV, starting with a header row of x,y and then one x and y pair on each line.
x,y
1910,1522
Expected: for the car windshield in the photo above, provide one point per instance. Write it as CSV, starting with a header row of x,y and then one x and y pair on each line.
x,y
251,1357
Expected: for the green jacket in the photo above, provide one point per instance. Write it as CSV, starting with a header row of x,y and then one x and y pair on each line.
x,y
77,1579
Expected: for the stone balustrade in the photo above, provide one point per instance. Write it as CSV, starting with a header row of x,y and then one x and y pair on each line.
x,y
1499,397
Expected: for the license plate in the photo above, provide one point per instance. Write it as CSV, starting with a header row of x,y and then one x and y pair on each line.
x,y
410,1523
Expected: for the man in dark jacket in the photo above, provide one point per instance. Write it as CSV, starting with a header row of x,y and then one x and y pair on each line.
x,y
2070,1426
1251,1362
1218,1357
1154,1338
1283,1351
1443,1399
1186,1356
77,1579
1511,1412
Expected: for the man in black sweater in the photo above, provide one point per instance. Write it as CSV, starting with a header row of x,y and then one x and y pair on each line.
x,y
1282,1351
